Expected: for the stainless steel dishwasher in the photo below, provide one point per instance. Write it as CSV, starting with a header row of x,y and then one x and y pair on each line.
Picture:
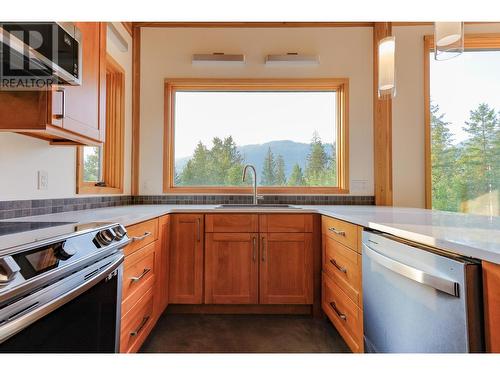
x,y
418,299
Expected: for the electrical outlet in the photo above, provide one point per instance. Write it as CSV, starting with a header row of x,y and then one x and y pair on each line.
x,y
359,186
43,180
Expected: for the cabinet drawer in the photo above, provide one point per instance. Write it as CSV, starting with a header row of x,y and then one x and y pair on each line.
x,y
343,313
137,324
138,275
141,234
344,266
231,223
284,223
341,231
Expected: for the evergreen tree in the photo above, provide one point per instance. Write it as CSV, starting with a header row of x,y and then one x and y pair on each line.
x,y
91,166
317,161
296,177
280,171
268,174
445,185
480,153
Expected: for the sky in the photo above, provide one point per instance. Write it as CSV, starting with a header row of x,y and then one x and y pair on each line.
x,y
460,84
252,117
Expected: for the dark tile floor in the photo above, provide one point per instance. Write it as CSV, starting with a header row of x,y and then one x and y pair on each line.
x,y
193,333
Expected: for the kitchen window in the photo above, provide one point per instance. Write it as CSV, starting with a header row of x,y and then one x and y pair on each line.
x,y
293,131
100,168
462,104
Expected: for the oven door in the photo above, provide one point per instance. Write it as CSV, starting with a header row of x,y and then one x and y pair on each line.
x,y
79,314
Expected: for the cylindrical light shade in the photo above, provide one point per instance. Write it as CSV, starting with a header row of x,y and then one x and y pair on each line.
x,y
386,67
448,39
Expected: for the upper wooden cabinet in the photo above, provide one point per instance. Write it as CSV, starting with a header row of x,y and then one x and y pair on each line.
x,y
65,114
186,259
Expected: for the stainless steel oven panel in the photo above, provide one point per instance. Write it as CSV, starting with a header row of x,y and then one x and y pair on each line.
x,y
27,310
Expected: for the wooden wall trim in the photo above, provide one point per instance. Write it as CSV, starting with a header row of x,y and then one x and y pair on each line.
x,y
382,128
129,27
136,108
252,24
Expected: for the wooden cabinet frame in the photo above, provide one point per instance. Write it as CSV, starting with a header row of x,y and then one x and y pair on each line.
x,y
113,147
340,85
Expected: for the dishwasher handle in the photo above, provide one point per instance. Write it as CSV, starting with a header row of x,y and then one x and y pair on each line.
x,y
444,285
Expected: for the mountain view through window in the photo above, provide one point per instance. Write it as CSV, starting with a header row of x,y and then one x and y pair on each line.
x,y
290,137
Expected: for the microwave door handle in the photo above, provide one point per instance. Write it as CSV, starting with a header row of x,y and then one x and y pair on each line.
x,y
34,312
444,285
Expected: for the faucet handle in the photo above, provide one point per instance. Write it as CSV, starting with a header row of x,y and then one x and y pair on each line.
x,y
259,197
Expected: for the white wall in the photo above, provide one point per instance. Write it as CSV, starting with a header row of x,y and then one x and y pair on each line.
x,y
21,157
408,124
344,52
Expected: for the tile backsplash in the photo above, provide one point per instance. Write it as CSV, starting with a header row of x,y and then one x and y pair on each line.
x,y
22,208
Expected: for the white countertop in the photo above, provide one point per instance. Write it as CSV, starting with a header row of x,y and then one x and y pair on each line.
x,y
470,235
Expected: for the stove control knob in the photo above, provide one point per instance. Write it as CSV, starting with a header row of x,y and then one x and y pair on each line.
x,y
120,232
105,236
8,269
63,252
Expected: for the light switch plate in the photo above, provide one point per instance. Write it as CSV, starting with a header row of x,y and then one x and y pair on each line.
x,y
359,186
43,180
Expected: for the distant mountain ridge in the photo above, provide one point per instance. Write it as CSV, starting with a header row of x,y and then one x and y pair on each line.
x,y
292,152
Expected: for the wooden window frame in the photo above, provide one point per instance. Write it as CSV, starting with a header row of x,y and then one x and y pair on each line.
x,y
112,166
340,85
471,42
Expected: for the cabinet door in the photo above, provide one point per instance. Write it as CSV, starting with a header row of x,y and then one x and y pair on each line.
x,y
286,268
231,268
186,259
83,111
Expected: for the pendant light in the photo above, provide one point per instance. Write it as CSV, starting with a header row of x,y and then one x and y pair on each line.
x,y
448,39
386,67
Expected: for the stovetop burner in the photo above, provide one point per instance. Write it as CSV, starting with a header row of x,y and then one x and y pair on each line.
x,y
11,227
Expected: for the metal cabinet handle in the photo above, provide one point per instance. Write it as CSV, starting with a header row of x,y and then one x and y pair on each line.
x,y
444,285
140,238
337,266
263,249
254,254
63,103
198,229
337,231
138,278
337,311
141,326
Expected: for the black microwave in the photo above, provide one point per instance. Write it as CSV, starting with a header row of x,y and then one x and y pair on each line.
x,y
43,49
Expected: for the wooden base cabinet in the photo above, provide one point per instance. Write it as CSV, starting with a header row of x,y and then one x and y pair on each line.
x,y
491,290
139,285
186,259
342,297
231,268
286,268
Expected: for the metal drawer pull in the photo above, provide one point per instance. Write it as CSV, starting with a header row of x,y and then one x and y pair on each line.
x,y
137,278
263,249
337,311
141,326
140,238
63,104
254,255
444,285
341,269
336,231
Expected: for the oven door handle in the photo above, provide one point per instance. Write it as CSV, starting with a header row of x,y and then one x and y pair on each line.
x,y
10,328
